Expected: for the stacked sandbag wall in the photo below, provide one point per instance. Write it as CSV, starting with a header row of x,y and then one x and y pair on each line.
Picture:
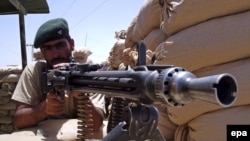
x,y
146,25
220,38
9,77
205,37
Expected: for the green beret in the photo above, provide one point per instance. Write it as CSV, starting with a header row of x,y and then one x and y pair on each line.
x,y
51,30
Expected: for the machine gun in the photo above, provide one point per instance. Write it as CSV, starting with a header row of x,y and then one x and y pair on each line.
x,y
170,85
173,86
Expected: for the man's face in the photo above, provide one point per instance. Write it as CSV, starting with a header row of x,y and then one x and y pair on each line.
x,y
57,51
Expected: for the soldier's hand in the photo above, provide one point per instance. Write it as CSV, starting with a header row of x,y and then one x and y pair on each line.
x,y
53,104
57,66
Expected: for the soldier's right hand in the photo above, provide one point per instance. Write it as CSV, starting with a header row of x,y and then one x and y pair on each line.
x,y
53,104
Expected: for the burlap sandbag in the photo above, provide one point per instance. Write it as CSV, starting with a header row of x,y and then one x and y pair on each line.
x,y
154,38
128,40
213,126
81,54
10,69
37,54
180,14
57,130
10,87
166,127
9,137
10,78
116,54
213,42
5,93
148,18
239,69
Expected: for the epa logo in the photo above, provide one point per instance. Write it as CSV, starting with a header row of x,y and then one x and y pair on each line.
x,y
238,132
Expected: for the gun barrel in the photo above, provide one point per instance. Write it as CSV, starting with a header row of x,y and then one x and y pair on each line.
x,y
183,87
216,89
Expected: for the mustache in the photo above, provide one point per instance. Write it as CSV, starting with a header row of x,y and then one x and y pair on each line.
x,y
59,60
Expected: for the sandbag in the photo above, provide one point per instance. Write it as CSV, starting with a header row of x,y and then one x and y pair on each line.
x,y
239,69
180,14
166,127
5,93
213,126
129,42
10,69
116,54
81,54
9,137
37,54
148,18
57,130
10,87
213,42
10,78
154,38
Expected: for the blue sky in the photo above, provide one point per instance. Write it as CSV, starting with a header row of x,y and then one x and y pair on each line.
x,y
92,23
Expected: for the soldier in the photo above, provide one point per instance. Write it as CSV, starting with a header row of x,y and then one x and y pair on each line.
x,y
56,45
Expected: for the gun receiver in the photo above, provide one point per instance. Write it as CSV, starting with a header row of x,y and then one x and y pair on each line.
x,y
173,86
